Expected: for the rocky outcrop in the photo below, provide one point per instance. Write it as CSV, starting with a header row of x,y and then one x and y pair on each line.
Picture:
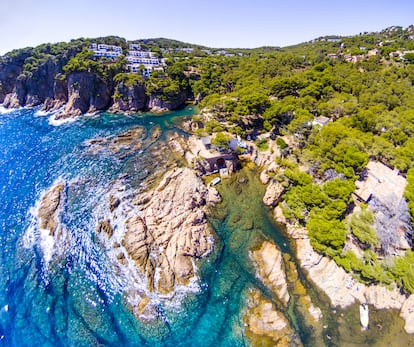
x,y
270,269
52,235
49,208
274,192
407,313
86,93
166,232
172,231
158,103
129,99
265,326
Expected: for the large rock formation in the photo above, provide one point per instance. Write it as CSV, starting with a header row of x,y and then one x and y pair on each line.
x,y
86,93
270,269
273,193
157,102
165,233
129,98
172,230
52,234
49,208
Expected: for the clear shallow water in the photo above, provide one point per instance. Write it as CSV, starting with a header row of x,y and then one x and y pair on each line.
x,y
76,301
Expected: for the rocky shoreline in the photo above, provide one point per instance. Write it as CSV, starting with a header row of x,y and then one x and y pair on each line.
x,y
338,285
164,232
84,93
163,235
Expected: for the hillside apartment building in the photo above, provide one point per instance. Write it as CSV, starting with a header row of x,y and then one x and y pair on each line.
x,y
138,60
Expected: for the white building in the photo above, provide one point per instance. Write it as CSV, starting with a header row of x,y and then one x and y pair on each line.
x,y
142,54
146,70
108,51
138,61
134,47
321,121
144,61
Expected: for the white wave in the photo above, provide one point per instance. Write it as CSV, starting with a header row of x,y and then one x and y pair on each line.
x,y
58,122
130,280
91,114
34,235
42,113
4,110
47,244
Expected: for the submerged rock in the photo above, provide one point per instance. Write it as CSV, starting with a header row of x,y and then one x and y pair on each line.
x,y
265,326
407,313
126,143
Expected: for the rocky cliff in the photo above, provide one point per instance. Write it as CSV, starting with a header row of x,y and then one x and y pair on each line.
x,y
25,83
28,78
129,98
159,103
86,93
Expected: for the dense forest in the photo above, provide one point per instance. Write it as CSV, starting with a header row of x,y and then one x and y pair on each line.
x,y
366,91
363,84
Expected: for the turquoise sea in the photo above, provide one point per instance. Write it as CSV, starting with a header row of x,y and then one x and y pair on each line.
x,y
77,300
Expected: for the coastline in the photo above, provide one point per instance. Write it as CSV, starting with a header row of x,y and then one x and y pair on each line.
x,y
340,287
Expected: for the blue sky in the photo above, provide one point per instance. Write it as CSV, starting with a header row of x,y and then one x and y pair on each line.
x,y
214,23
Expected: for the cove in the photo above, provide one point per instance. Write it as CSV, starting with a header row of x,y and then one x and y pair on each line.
x,y
77,302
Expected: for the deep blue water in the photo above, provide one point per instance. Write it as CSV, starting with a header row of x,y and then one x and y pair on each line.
x,y
75,301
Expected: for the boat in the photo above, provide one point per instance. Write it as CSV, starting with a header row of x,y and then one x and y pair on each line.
x,y
364,316
215,181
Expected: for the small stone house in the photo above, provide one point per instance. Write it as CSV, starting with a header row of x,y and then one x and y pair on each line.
x,y
321,121
379,180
